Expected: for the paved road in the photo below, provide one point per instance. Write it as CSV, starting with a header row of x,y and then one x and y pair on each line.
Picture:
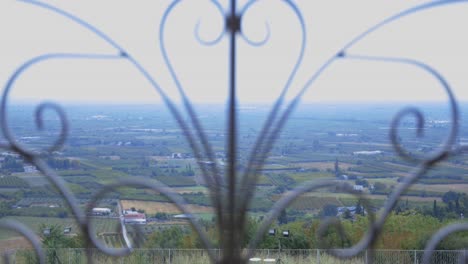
x,y
122,224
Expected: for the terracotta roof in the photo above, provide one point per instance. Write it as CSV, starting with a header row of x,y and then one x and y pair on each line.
x,y
135,216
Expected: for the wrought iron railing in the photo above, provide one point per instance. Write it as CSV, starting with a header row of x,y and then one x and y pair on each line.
x,y
199,256
232,193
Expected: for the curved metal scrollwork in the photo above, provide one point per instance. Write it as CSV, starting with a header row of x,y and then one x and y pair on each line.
x,y
231,195
28,234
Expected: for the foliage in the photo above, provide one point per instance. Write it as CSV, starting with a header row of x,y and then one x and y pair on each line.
x,y
11,164
12,182
283,217
63,164
176,181
162,216
379,186
329,210
171,237
362,182
450,196
55,238
359,208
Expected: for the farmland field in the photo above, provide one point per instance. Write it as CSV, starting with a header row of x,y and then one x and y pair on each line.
x,y
14,243
441,187
371,196
176,180
154,207
105,225
324,165
12,182
34,224
33,180
309,203
309,176
112,240
190,189
101,225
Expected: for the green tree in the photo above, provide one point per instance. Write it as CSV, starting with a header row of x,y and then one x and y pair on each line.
x,y
53,238
329,210
295,241
172,237
435,211
283,217
161,216
450,196
337,168
11,164
347,214
379,187
362,182
359,208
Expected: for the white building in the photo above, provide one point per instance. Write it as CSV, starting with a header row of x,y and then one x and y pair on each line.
x,y
182,216
368,152
358,188
29,169
126,212
136,218
101,211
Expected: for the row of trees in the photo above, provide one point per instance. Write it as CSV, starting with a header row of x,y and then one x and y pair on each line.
x,y
405,228
407,231
455,206
410,230
63,164
11,164
187,171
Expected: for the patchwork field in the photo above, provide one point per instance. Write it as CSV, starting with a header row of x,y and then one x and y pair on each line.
x,y
155,207
322,165
190,189
321,195
34,224
14,243
33,179
101,225
441,187
312,201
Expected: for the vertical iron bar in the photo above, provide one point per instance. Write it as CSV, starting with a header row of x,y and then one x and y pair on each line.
x,y
233,27
170,256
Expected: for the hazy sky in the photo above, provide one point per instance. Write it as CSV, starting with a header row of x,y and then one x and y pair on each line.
x,y
436,36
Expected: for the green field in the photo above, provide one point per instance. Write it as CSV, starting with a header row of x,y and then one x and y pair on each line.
x,y
34,223
101,225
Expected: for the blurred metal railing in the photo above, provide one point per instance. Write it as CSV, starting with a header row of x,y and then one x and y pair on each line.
x,y
200,256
